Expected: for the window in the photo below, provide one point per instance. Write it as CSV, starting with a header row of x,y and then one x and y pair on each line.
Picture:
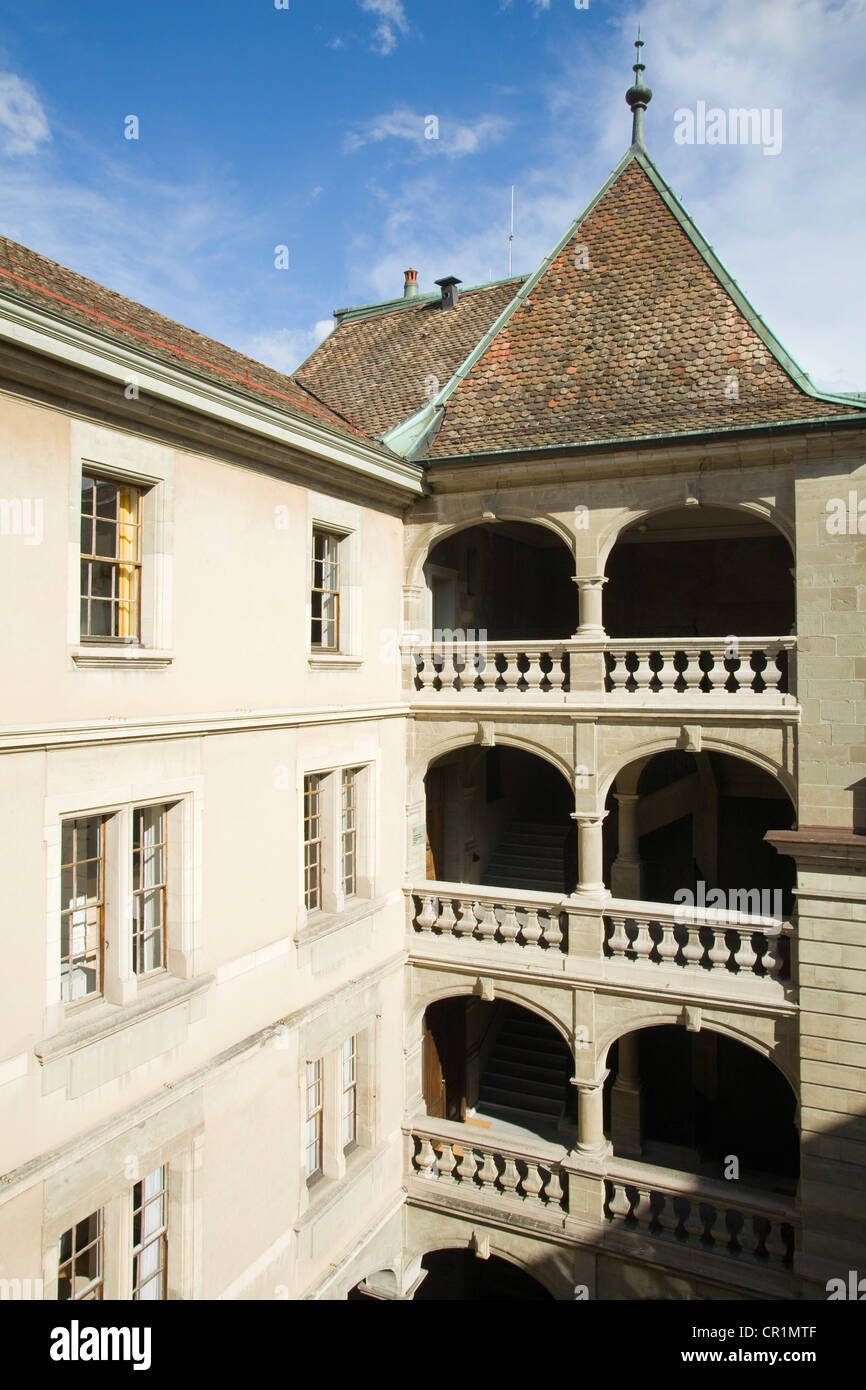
x,y
350,1092
80,1270
150,1235
325,597
110,560
349,830
148,889
82,917
313,786
314,1109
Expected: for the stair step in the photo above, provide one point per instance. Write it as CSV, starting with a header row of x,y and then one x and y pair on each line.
x,y
532,1086
528,1105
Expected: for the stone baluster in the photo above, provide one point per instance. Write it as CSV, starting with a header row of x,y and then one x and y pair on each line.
x,y
464,922
488,1173
424,1159
643,672
775,1245
468,1165
553,1190
719,952
618,942
775,678
694,1221
693,950
667,672
486,919
509,1177
447,919
643,942
668,946
534,675
531,930
553,933
532,1184
772,959
447,1161
617,671
745,954
509,926
512,673
619,1205
429,915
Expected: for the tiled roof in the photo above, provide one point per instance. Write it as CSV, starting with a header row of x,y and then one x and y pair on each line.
x,y
384,364
51,287
637,336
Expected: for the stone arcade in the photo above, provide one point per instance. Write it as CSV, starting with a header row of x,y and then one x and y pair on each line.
x,y
351,959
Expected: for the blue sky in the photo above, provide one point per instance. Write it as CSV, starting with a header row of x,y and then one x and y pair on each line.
x,y
305,127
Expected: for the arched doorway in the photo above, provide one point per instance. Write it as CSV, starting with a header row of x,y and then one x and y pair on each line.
x,y
698,571
693,1101
460,1275
502,817
510,579
697,822
494,1065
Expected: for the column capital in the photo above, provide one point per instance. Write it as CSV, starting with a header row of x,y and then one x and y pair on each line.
x,y
588,817
590,581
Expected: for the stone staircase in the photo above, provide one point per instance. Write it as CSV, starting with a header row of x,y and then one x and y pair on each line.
x,y
526,1077
530,857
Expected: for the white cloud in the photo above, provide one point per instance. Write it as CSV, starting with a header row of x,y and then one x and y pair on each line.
x,y
288,347
787,228
392,21
452,138
23,124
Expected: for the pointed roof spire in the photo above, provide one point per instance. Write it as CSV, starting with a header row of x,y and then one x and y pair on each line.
x,y
638,97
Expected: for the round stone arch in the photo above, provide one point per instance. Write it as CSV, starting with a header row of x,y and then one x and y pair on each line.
x,y
450,744
504,993
506,1245
648,749
430,534
669,1015
629,516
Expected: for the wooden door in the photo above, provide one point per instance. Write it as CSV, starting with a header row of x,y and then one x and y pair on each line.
x,y
433,1077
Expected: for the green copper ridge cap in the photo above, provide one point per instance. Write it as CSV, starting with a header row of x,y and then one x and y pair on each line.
x,y
408,438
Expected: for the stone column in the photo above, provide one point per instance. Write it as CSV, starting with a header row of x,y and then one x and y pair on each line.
x,y
626,873
590,587
589,852
590,1118
625,1109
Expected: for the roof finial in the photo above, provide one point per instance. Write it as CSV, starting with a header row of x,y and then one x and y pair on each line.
x,y
638,97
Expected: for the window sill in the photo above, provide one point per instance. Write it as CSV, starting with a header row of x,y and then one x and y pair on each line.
x,y
92,655
333,661
103,1019
322,924
325,1190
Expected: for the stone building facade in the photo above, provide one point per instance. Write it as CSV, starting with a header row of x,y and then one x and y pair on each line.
x,y
434,791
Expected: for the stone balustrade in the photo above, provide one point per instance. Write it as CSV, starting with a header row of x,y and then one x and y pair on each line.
x,y
695,938
460,1159
578,670
699,666
700,1214
504,667
536,921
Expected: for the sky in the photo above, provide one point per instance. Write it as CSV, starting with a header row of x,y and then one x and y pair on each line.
x,y
308,125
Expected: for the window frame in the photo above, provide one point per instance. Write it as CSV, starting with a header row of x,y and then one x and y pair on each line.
x,y
314,1114
137,1249
117,562
71,823
161,889
98,1243
324,593
351,1090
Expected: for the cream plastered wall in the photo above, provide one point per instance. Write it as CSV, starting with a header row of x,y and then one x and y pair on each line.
x,y
226,580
